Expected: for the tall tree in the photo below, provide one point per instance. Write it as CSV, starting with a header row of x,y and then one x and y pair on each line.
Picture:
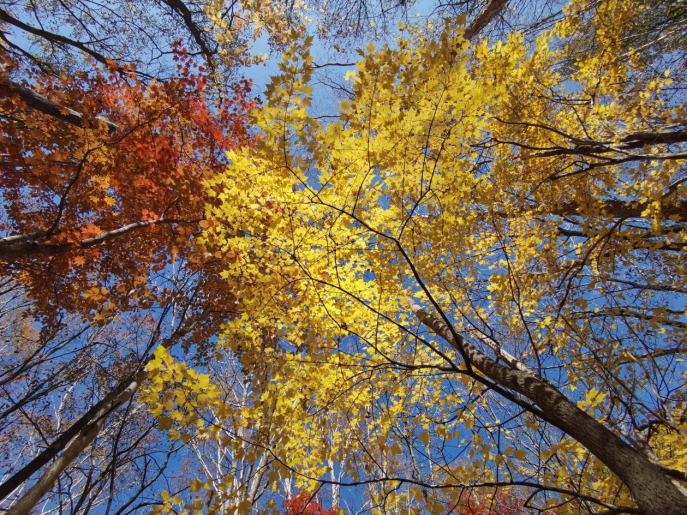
x,y
103,193
115,171
480,261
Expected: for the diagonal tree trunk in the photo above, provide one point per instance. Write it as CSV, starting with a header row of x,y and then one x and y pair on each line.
x,y
93,418
654,491
491,11
77,438
47,106
85,437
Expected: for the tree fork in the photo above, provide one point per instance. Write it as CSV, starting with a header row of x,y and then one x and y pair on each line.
x,y
654,491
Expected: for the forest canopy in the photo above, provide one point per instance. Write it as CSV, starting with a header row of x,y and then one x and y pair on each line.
x,y
435,264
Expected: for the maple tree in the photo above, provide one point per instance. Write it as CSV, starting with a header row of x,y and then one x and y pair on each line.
x,y
113,192
304,503
102,196
481,258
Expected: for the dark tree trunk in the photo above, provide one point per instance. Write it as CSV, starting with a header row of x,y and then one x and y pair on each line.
x,y
47,106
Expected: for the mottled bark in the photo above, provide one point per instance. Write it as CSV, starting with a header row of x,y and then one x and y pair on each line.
x,y
654,491
629,142
493,8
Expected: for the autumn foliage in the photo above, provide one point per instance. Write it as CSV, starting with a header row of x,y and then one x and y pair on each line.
x,y
480,256
93,206
305,503
455,286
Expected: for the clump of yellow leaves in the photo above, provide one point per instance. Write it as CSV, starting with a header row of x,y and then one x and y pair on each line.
x,y
177,394
509,187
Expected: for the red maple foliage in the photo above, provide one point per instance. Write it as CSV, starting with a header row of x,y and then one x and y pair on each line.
x,y
102,177
304,503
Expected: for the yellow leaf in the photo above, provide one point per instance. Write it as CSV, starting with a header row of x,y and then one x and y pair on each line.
x,y
196,485
165,423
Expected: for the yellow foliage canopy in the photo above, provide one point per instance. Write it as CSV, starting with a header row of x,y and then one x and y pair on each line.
x,y
537,210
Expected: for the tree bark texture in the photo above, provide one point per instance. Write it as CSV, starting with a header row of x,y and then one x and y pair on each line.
x,y
493,8
654,491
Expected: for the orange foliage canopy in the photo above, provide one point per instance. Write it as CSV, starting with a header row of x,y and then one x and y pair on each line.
x,y
108,185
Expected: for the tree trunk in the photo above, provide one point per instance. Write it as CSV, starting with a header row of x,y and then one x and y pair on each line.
x,y
654,491
493,8
57,39
86,429
85,437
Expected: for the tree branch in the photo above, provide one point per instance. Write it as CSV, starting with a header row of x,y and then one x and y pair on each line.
x,y
21,246
182,9
47,106
50,36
